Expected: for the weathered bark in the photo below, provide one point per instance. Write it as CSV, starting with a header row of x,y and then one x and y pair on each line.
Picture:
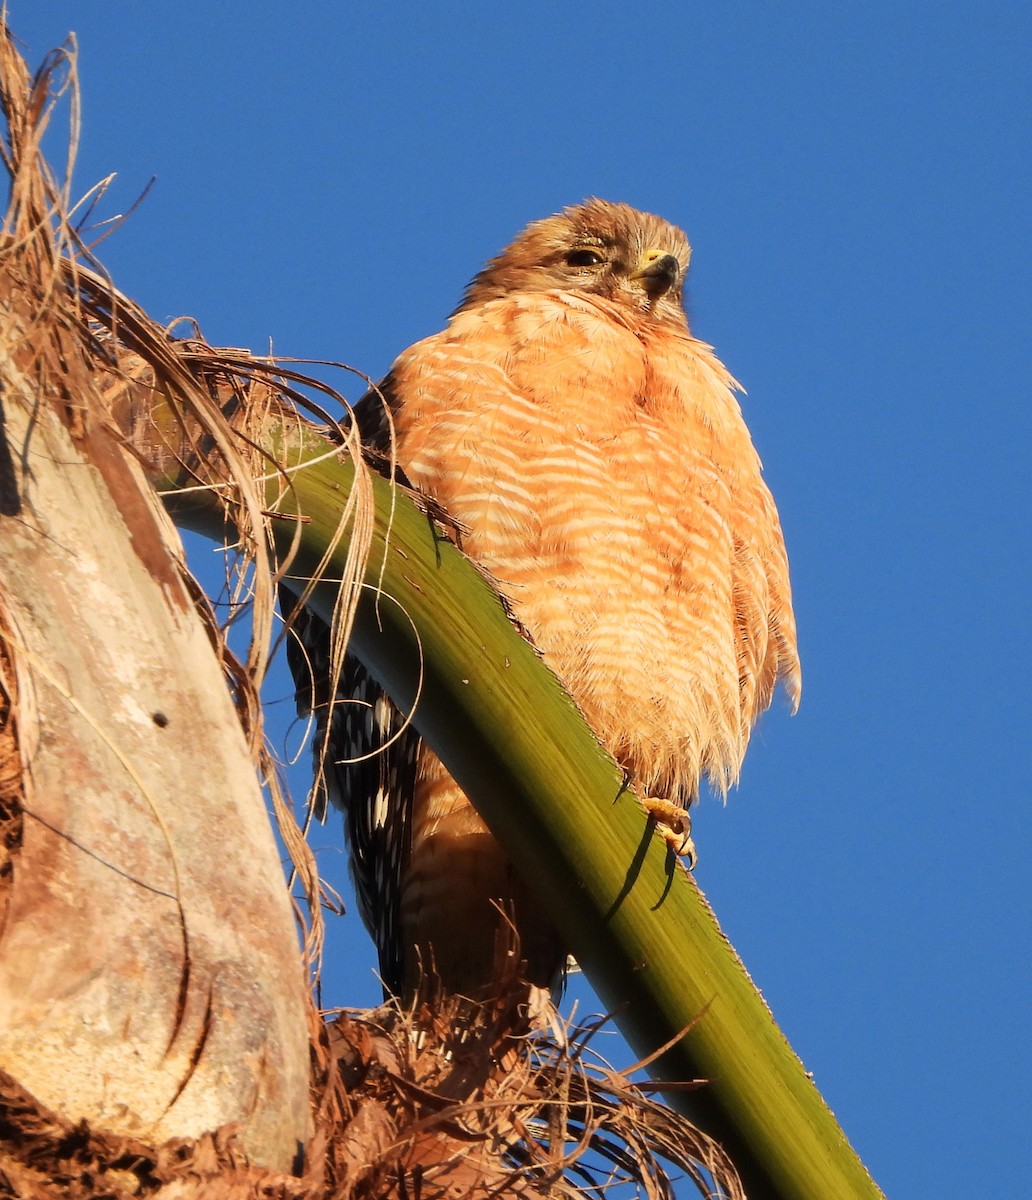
x,y
150,975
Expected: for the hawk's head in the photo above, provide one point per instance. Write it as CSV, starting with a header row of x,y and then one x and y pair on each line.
x,y
631,258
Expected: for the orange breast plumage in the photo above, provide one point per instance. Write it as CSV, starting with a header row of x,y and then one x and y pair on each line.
x,y
607,480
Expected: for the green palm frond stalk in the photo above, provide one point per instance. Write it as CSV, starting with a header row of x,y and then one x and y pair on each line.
x,y
430,625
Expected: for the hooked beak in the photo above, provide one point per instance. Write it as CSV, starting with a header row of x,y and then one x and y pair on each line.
x,y
658,273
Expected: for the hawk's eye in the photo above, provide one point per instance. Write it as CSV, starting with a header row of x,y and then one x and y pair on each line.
x,y
583,258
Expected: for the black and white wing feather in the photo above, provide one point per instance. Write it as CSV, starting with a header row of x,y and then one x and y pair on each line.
x,y
364,751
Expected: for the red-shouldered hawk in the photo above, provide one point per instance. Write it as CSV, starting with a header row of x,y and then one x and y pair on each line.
x,y
595,453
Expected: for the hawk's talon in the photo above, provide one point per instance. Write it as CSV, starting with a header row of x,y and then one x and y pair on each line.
x,y
674,824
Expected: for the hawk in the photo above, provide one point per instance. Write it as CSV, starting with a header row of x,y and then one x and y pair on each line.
x,y
596,458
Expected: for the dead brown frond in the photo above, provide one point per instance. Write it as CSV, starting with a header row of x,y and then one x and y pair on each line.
x,y
43,1156
431,1103
193,416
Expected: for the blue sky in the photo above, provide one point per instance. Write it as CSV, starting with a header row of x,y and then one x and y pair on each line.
x,y
855,183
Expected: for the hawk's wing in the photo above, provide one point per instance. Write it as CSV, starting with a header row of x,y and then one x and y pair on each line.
x,y
364,750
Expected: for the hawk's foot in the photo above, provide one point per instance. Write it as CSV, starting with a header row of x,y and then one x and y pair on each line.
x,y
674,825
